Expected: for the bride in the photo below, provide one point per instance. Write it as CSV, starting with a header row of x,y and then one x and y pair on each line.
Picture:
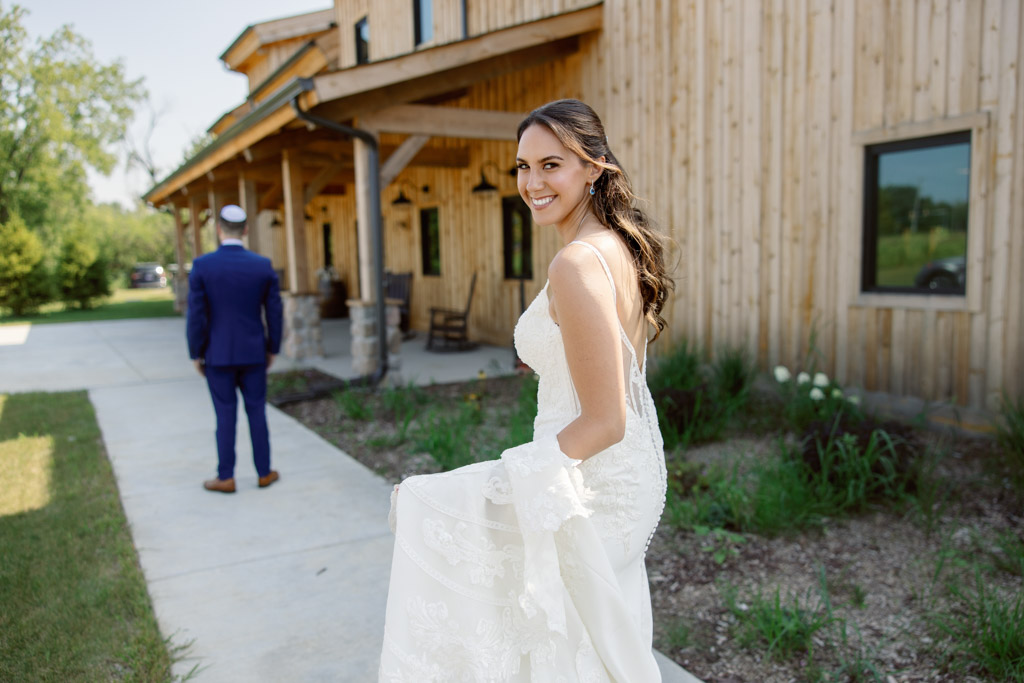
x,y
531,567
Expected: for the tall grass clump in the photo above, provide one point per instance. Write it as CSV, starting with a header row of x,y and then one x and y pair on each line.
x,y
1010,434
985,630
447,437
354,403
780,626
695,403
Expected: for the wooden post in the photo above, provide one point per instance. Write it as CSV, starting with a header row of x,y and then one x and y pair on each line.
x,y
294,223
365,220
215,207
249,202
180,277
197,228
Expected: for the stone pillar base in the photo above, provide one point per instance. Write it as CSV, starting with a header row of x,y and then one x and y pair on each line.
x,y
363,316
303,337
180,287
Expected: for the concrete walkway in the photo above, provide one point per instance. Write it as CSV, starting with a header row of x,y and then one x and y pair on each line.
x,y
283,584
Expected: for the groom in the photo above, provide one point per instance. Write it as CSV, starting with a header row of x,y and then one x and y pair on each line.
x,y
234,332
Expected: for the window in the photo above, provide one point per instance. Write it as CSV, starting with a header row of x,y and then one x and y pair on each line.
x,y
328,246
363,41
430,241
516,231
423,20
915,215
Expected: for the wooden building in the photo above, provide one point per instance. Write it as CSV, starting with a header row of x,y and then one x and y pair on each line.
x,y
810,158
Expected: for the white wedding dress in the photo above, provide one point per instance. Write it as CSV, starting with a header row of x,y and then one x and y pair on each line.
x,y
528,568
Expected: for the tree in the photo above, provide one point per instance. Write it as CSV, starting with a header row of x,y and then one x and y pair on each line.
x,y
25,282
60,112
82,273
128,237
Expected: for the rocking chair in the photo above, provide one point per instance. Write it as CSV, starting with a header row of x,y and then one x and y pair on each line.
x,y
451,326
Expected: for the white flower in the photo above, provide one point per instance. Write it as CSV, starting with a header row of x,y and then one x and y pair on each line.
x,y
781,374
855,400
803,378
820,379
837,393
817,394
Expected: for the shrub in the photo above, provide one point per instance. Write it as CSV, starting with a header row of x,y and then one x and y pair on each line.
x,y
82,274
692,407
25,282
807,400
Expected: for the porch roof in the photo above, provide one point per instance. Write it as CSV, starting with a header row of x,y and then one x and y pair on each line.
x,y
360,90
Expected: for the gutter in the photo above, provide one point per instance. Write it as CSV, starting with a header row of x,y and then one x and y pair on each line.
x,y
376,226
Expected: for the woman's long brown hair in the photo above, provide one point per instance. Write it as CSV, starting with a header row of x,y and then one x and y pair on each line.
x,y
578,127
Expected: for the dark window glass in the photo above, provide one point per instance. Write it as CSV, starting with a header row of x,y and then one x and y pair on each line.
x,y
423,20
430,241
328,246
915,215
516,231
363,41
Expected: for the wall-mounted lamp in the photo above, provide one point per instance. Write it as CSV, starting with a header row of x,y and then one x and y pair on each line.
x,y
402,200
485,187
276,223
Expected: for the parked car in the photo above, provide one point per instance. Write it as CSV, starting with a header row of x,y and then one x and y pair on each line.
x,y
148,275
943,275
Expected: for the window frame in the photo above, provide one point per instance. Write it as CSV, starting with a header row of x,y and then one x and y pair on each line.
x,y
852,240
869,227
425,242
510,205
362,45
418,39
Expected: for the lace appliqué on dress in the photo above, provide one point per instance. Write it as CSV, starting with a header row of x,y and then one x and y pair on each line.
x,y
486,559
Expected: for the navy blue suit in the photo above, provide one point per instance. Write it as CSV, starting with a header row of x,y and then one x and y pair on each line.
x,y
234,321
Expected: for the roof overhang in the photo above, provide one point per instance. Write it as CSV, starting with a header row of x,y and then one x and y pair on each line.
x,y
264,33
371,87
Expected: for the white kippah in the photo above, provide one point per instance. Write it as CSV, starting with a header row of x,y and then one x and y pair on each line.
x,y
232,214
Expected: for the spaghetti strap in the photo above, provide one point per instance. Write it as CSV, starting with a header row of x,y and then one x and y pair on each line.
x,y
607,270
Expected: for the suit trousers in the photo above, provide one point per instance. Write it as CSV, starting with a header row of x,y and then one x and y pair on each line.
x,y
224,382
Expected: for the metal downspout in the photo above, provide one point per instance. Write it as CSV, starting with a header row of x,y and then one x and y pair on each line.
x,y
376,224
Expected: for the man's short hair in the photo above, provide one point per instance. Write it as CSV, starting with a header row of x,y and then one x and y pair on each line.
x,y
232,219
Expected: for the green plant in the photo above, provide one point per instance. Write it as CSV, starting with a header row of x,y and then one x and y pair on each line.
x,y
679,635
1010,435
721,543
82,274
808,399
446,437
985,629
353,403
780,626
1008,555
25,282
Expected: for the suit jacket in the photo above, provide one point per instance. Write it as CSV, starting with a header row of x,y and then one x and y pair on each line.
x,y
234,308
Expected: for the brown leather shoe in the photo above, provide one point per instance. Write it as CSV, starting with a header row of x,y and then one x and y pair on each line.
x,y
221,485
269,479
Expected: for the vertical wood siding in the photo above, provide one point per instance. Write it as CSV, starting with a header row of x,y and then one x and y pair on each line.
x,y
738,123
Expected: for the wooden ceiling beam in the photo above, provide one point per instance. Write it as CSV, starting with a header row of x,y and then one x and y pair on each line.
x,y
451,122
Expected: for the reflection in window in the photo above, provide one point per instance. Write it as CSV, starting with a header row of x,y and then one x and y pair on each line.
x,y
430,241
423,20
915,215
363,41
516,238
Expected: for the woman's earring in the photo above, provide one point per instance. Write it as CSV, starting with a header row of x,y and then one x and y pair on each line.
x,y
592,193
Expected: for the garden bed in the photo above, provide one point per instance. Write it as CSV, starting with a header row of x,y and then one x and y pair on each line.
x,y
860,597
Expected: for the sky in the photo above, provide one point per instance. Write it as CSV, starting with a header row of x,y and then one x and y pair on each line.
x,y
175,47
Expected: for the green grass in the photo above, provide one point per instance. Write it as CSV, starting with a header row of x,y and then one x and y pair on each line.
x,y
74,601
123,304
1010,434
985,629
780,626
